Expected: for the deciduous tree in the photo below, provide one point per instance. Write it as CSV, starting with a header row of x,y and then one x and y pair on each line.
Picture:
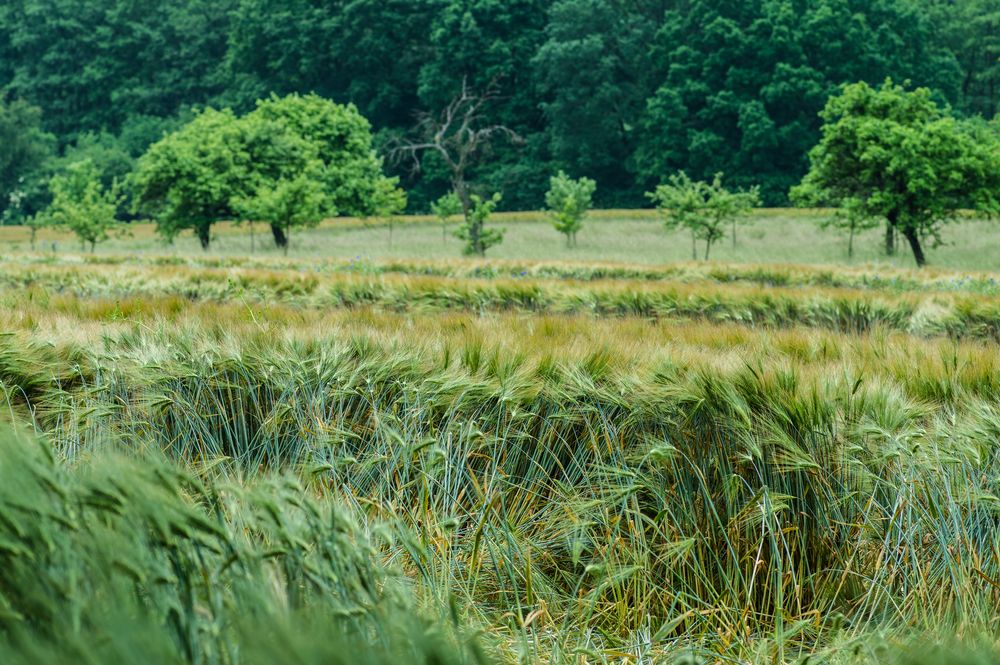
x,y
299,202
894,154
187,180
704,209
568,201
444,209
81,204
478,238
24,148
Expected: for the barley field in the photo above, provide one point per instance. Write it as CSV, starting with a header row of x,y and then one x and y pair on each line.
x,y
406,457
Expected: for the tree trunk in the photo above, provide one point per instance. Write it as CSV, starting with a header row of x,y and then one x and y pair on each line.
x,y
734,234
280,239
890,237
461,191
475,232
34,232
286,235
93,246
850,244
694,246
918,252
708,248
204,236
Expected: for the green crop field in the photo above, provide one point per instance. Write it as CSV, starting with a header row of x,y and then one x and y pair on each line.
x,y
485,332
361,455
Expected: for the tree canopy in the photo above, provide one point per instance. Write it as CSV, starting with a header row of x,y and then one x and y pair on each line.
x,y
620,91
81,204
221,166
24,148
568,201
187,180
895,154
702,208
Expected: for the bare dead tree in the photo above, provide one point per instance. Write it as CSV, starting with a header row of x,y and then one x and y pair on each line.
x,y
458,134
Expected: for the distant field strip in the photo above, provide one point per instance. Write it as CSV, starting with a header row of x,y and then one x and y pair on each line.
x,y
966,309
882,278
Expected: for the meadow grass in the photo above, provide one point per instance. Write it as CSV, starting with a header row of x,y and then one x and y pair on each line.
x,y
584,464
638,237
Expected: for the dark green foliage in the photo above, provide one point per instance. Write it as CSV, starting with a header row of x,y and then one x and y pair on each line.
x,y
742,83
593,74
24,147
971,30
621,91
94,65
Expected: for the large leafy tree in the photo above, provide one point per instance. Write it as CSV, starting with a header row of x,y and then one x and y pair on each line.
x,y
593,76
296,202
894,154
623,90
187,180
341,139
192,178
330,47
971,30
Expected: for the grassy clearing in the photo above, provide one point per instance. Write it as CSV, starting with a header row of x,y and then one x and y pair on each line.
x,y
637,237
584,464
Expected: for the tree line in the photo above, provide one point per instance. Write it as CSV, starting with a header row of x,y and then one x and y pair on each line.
x,y
622,91
886,155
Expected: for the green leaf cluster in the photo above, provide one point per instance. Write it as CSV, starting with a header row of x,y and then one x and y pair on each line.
x,y
894,154
623,91
81,204
215,166
703,208
568,201
444,209
477,236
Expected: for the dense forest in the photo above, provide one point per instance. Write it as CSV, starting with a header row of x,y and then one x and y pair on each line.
x,y
621,91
